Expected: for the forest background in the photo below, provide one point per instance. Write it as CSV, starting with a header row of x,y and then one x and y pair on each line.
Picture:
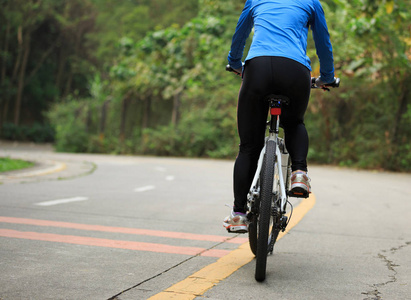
x,y
148,77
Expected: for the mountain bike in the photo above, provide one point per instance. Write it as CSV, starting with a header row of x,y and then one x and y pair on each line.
x,y
267,199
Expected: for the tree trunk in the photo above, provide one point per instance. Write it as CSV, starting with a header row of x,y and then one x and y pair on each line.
x,y
3,69
402,108
19,53
103,117
77,42
89,121
20,85
147,113
123,119
60,70
327,128
6,109
6,98
5,52
176,109
39,63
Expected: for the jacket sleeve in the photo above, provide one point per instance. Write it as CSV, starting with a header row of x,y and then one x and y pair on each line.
x,y
322,43
242,31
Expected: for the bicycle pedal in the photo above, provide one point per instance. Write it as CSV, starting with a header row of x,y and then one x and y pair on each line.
x,y
296,194
240,230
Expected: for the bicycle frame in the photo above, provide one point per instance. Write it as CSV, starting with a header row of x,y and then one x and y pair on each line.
x,y
274,124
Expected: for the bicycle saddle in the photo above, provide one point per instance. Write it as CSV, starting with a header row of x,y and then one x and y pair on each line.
x,y
281,98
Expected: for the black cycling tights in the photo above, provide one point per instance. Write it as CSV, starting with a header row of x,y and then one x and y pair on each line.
x,y
263,76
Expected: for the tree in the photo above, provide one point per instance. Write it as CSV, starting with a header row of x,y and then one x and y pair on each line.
x,y
43,40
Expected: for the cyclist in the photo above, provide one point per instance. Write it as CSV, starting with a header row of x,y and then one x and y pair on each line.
x,y
276,63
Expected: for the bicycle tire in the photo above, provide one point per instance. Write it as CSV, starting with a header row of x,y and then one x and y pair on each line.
x,y
253,220
253,227
264,216
276,212
252,234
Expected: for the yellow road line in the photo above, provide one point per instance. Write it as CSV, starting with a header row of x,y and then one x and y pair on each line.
x,y
198,283
57,167
60,166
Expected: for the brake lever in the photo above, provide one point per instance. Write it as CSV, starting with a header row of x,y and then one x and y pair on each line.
x,y
324,88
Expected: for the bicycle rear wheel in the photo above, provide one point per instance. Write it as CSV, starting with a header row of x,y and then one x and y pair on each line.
x,y
265,211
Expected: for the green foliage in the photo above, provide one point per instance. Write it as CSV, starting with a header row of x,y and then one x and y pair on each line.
x,y
50,49
365,123
163,89
8,164
44,54
133,19
182,63
70,122
206,131
38,133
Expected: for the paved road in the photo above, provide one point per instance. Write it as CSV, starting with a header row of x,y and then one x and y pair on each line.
x,y
120,227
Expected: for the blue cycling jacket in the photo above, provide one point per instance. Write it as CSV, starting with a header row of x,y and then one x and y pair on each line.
x,y
280,29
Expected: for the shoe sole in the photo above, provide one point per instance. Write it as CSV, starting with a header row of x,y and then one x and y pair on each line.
x,y
236,228
299,191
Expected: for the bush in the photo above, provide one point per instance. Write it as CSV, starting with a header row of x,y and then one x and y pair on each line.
x,y
38,133
69,121
207,132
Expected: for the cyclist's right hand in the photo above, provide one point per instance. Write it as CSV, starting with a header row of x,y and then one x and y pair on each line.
x,y
319,82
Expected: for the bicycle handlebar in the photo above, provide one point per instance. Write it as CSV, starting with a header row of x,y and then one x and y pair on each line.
x,y
230,69
325,87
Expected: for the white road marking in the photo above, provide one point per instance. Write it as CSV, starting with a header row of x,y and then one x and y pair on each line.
x,y
170,178
61,201
145,188
161,169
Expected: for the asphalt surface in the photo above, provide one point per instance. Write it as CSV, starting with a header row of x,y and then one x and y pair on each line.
x,y
83,226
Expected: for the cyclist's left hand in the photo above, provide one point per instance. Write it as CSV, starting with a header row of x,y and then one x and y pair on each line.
x,y
238,71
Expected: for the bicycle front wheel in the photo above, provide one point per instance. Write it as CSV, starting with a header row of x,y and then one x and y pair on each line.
x,y
265,215
253,233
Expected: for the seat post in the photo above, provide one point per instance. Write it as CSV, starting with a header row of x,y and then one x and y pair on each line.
x,y
275,112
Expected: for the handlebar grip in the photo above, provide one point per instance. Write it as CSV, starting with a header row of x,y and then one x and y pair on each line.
x,y
334,84
230,69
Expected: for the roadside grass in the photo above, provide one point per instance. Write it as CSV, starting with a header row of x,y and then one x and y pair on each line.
x,y
8,164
